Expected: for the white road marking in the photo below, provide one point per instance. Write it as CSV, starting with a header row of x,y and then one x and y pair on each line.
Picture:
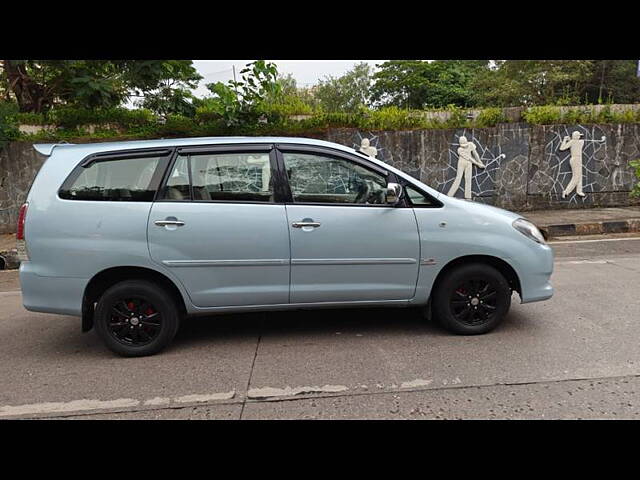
x,y
205,398
416,383
565,242
88,405
579,262
66,407
270,392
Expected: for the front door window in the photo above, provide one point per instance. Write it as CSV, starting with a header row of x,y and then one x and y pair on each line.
x,y
317,178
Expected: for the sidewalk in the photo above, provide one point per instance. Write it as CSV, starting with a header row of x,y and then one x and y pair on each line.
x,y
589,221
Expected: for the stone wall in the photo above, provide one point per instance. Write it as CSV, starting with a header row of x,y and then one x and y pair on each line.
x,y
524,168
19,164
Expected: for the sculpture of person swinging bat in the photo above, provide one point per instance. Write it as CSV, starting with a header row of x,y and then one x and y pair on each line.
x,y
467,157
576,144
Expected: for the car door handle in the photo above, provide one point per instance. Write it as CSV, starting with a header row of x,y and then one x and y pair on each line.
x,y
164,223
305,224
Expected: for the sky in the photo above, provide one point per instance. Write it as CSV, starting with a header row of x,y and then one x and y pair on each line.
x,y
306,72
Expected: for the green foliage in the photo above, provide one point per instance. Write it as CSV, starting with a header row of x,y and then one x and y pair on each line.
x,y
557,82
636,188
39,85
543,115
8,129
240,103
77,124
490,117
347,93
419,84
551,114
289,105
29,118
72,117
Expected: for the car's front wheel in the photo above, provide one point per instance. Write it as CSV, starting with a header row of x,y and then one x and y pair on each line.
x,y
471,299
136,318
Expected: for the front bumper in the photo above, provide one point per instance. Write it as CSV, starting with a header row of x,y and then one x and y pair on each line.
x,y
535,274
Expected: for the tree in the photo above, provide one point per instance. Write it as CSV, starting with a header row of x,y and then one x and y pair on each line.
x,y
241,102
533,82
346,93
613,81
172,94
419,84
38,85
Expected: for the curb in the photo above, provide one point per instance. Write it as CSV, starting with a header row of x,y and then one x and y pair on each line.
x,y
591,228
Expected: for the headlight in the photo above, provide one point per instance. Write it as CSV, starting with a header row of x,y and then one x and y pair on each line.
x,y
529,229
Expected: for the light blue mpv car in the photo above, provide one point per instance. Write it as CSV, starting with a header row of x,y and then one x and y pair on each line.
x,y
133,236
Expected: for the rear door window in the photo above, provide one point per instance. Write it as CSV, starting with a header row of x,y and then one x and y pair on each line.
x,y
128,180
226,177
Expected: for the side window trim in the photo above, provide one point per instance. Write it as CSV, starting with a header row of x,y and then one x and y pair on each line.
x,y
278,196
332,153
123,155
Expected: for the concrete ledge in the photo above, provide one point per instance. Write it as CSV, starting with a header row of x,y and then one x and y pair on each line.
x,y
591,228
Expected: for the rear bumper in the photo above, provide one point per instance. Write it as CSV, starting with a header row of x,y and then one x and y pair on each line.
x,y
61,295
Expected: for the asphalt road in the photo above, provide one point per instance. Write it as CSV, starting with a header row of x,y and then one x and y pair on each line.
x,y
574,356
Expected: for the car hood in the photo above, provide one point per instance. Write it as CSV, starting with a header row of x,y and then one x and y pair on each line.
x,y
481,209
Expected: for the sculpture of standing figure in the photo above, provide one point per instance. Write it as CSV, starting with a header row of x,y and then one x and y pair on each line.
x,y
576,144
467,157
367,149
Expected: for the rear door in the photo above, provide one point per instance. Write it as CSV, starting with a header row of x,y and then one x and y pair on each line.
x,y
347,244
221,228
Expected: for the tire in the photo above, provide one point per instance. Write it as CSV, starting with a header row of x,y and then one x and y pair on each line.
x,y
135,318
471,299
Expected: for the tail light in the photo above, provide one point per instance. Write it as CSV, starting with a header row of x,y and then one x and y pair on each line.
x,y
23,255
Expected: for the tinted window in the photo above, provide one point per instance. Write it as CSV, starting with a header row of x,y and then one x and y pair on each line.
x,y
320,179
418,198
131,179
178,186
227,177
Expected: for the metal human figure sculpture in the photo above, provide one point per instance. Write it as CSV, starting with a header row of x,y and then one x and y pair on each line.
x,y
367,149
467,157
575,143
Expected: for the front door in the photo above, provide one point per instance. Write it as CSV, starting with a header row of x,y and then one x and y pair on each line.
x,y
219,229
347,244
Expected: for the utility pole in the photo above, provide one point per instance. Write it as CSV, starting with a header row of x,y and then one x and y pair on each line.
x,y
601,82
235,82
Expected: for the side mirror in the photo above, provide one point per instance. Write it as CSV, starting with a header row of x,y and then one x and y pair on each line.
x,y
394,192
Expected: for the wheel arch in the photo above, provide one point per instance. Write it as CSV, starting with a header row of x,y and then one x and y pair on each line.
x,y
498,263
110,276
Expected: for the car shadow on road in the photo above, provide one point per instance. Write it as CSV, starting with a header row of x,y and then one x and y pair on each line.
x,y
304,323
292,326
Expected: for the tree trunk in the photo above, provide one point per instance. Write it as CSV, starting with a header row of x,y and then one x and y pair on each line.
x,y
30,95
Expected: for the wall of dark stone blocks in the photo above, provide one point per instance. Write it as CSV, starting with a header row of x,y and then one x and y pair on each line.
x,y
525,170
19,164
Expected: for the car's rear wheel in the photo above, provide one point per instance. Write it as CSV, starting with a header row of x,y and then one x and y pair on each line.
x,y
136,318
472,299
